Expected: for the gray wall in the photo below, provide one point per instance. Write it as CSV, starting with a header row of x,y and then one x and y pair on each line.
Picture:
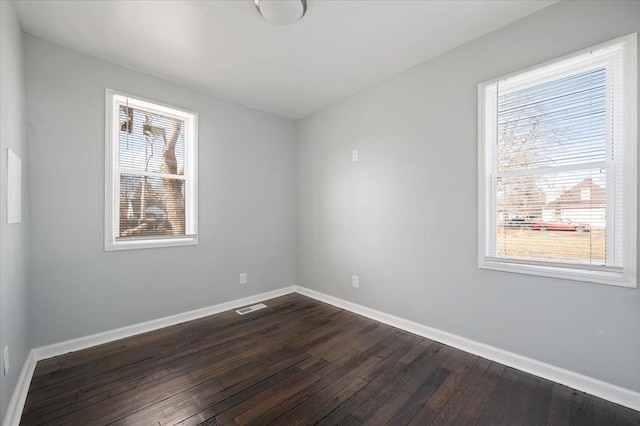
x,y
404,218
14,237
246,203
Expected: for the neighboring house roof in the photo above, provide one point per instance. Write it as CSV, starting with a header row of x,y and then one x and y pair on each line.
x,y
585,195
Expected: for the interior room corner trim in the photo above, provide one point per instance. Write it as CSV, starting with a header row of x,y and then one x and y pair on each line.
x,y
16,404
608,391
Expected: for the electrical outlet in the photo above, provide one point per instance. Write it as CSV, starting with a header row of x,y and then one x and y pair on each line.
x,y
355,282
243,278
5,360
354,155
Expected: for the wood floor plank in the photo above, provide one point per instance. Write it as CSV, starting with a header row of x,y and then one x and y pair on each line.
x,y
393,380
451,385
264,394
581,409
516,408
298,361
356,360
455,405
383,414
538,407
321,404
208,399
496,406
411,407
560,405
439,353
378,378
212,411
480,394
603,412
300,381
626,416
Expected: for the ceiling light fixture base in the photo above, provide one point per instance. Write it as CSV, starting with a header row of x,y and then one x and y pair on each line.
x,y
282,12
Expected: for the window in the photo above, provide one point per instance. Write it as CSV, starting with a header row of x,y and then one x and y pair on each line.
x,y
151,188
557,167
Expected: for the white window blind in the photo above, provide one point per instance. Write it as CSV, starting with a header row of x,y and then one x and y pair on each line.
x,y
151,187
558,167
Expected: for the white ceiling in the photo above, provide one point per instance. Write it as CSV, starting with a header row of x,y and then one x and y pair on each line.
x,y
227,49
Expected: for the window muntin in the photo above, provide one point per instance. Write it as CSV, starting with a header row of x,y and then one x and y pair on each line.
x,y
151,193
557,168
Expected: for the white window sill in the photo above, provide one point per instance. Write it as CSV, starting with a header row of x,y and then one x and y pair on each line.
x,y
149,243
609,277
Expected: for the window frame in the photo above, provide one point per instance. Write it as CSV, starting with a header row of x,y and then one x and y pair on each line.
x,y
625,276
113,99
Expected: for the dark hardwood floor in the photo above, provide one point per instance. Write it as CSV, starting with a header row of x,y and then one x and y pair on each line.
x,y
298,361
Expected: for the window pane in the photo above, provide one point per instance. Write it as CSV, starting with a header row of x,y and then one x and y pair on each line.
x,y
150,142
552,217
151,206
558,123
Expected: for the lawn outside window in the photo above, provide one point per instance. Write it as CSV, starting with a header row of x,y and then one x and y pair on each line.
x,y
150,174
557,167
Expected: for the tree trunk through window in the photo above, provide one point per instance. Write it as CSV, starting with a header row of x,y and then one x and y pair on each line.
x,y
173,187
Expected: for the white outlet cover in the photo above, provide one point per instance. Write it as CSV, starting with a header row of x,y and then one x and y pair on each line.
x,y
355,281
243,278
354,155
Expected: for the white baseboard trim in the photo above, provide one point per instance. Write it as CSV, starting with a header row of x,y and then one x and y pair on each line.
x,y
604,390
62,348
18,399
16,404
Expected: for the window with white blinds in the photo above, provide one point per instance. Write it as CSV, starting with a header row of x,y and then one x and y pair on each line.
x,y
558,167
151,188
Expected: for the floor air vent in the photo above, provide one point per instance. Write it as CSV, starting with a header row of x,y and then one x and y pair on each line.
x,y
251,308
